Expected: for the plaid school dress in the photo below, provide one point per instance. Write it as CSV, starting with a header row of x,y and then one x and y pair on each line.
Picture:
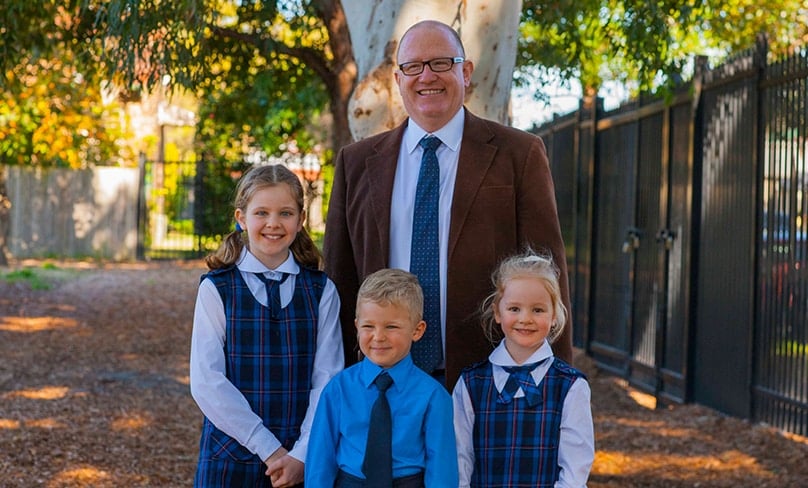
x,y
270,360
516,445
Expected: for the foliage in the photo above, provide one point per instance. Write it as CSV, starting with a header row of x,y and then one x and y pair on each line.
x,y
34,30
53,116
54,111
645,44
257,67
240,116
269,72
28,275
42,278
733,24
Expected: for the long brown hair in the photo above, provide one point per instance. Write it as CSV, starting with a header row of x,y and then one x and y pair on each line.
x,y
303,248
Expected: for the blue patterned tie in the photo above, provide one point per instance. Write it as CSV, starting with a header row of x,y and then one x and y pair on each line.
x,y
520,376
273,293
425,255
378,463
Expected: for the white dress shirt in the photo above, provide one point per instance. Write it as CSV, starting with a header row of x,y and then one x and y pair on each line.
x,y
576,449
220,401
406,181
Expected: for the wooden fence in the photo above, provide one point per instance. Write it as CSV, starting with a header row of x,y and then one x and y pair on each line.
x,y
59,212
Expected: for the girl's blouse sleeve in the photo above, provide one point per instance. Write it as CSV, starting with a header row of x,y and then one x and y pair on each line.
x,y
220,401
576,449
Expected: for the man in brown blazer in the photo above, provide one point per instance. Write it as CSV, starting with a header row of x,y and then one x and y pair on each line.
x,y
496,194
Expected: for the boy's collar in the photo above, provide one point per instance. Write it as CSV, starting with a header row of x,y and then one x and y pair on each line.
x,y
399,371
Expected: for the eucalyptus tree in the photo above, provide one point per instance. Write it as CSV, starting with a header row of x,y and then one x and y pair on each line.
x,y
271,69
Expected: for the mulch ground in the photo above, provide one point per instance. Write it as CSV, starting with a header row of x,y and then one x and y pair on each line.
x,y
94,393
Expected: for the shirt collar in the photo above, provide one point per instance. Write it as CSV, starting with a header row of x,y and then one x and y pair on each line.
x,y
247,262
400,371
501,357
450,134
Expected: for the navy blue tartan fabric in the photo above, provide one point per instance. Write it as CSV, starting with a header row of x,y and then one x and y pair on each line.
x,y
516,445
270,360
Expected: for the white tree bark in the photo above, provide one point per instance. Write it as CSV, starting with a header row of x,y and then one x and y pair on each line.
x,y
489,30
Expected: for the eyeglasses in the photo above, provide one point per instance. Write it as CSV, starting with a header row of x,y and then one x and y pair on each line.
x,y
437,65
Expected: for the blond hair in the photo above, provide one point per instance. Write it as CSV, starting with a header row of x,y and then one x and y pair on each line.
x,y
257,178
395,287
528,264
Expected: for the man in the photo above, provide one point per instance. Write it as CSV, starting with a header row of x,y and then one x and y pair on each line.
x,y
496,197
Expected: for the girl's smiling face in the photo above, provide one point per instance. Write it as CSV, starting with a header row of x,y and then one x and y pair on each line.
x,y
525,312
272,220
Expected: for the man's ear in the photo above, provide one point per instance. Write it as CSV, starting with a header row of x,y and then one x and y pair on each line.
x,y
420,328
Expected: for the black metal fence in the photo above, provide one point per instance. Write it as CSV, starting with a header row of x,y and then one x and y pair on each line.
x,y
686,224
185,207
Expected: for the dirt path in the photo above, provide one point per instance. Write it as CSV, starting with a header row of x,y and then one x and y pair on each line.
x,y
94,393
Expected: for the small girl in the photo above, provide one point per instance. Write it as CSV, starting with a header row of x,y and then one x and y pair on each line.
x,y
522,417
266,339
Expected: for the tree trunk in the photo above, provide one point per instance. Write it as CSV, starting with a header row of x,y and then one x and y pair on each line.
x,y
489,30
341,74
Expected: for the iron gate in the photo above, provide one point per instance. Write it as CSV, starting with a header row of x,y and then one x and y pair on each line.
x,y
185,207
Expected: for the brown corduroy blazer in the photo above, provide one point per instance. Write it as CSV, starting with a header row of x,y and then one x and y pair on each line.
x,y
504,199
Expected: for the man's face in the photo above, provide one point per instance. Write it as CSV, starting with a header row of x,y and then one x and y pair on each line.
x,y
432,99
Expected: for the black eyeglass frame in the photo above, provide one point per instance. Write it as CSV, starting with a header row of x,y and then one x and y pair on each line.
x,y
455,60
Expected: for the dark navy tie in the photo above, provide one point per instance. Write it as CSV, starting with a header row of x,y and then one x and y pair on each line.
x,y
273,293
520,376
425,255
378,463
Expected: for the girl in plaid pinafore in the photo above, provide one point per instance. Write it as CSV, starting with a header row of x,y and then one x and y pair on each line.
x,y
522,417
266,339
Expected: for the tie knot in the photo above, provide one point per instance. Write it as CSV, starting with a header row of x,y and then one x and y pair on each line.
x,y
429,143
524,368
269,281
383,381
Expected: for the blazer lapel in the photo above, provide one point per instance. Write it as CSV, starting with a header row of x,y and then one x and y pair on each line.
x,y
380,170
476,156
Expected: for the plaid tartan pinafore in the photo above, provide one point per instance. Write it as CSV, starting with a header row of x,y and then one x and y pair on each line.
x,y
515,444
270,361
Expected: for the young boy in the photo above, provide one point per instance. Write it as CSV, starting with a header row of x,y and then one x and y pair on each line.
x,y
388,320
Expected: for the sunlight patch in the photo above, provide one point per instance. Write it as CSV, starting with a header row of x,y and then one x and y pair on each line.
x,y
658,427
9,424
643,399
44,393
616,463
71,477
35,324
46,423
131,422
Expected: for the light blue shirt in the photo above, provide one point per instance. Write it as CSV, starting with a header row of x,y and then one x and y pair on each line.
x,y
406,181
423,435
